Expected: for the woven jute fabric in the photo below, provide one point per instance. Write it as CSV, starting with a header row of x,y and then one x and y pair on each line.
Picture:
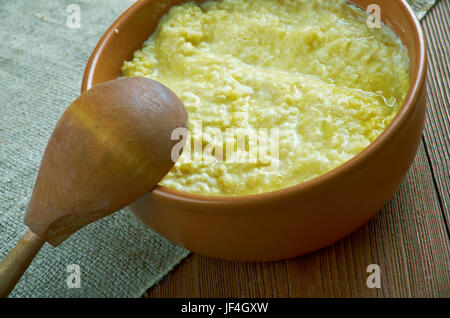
x,y
43,52
41,66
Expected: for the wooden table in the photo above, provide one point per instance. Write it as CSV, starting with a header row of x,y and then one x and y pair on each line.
x,y
408,239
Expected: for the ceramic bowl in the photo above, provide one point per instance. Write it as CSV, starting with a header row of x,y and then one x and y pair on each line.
x,y
292,221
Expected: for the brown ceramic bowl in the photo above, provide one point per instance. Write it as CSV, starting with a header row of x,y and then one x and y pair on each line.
x,y
292,221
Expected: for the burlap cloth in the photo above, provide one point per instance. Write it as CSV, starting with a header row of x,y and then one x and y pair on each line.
x,y
41,66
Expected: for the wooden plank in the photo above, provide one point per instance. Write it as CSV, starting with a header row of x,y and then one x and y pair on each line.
x,y
437,130
200,276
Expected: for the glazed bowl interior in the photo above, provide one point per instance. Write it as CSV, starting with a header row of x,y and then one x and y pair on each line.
x,y
128,33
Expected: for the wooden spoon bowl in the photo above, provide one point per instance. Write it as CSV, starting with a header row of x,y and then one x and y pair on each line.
x,y
111,145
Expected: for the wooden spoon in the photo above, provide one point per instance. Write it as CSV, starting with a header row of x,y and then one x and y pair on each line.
x,y
111,146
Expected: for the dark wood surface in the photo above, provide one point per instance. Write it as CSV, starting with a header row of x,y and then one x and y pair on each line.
x,y
409,238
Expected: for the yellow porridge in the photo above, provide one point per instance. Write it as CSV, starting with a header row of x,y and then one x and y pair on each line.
x,y
308,75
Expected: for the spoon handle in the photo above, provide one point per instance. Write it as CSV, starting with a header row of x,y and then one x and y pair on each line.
x,y
17,261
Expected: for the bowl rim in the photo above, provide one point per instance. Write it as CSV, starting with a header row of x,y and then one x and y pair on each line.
x,y
418,79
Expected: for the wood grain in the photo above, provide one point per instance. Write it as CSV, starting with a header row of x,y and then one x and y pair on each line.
x,y
409,238
437,129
